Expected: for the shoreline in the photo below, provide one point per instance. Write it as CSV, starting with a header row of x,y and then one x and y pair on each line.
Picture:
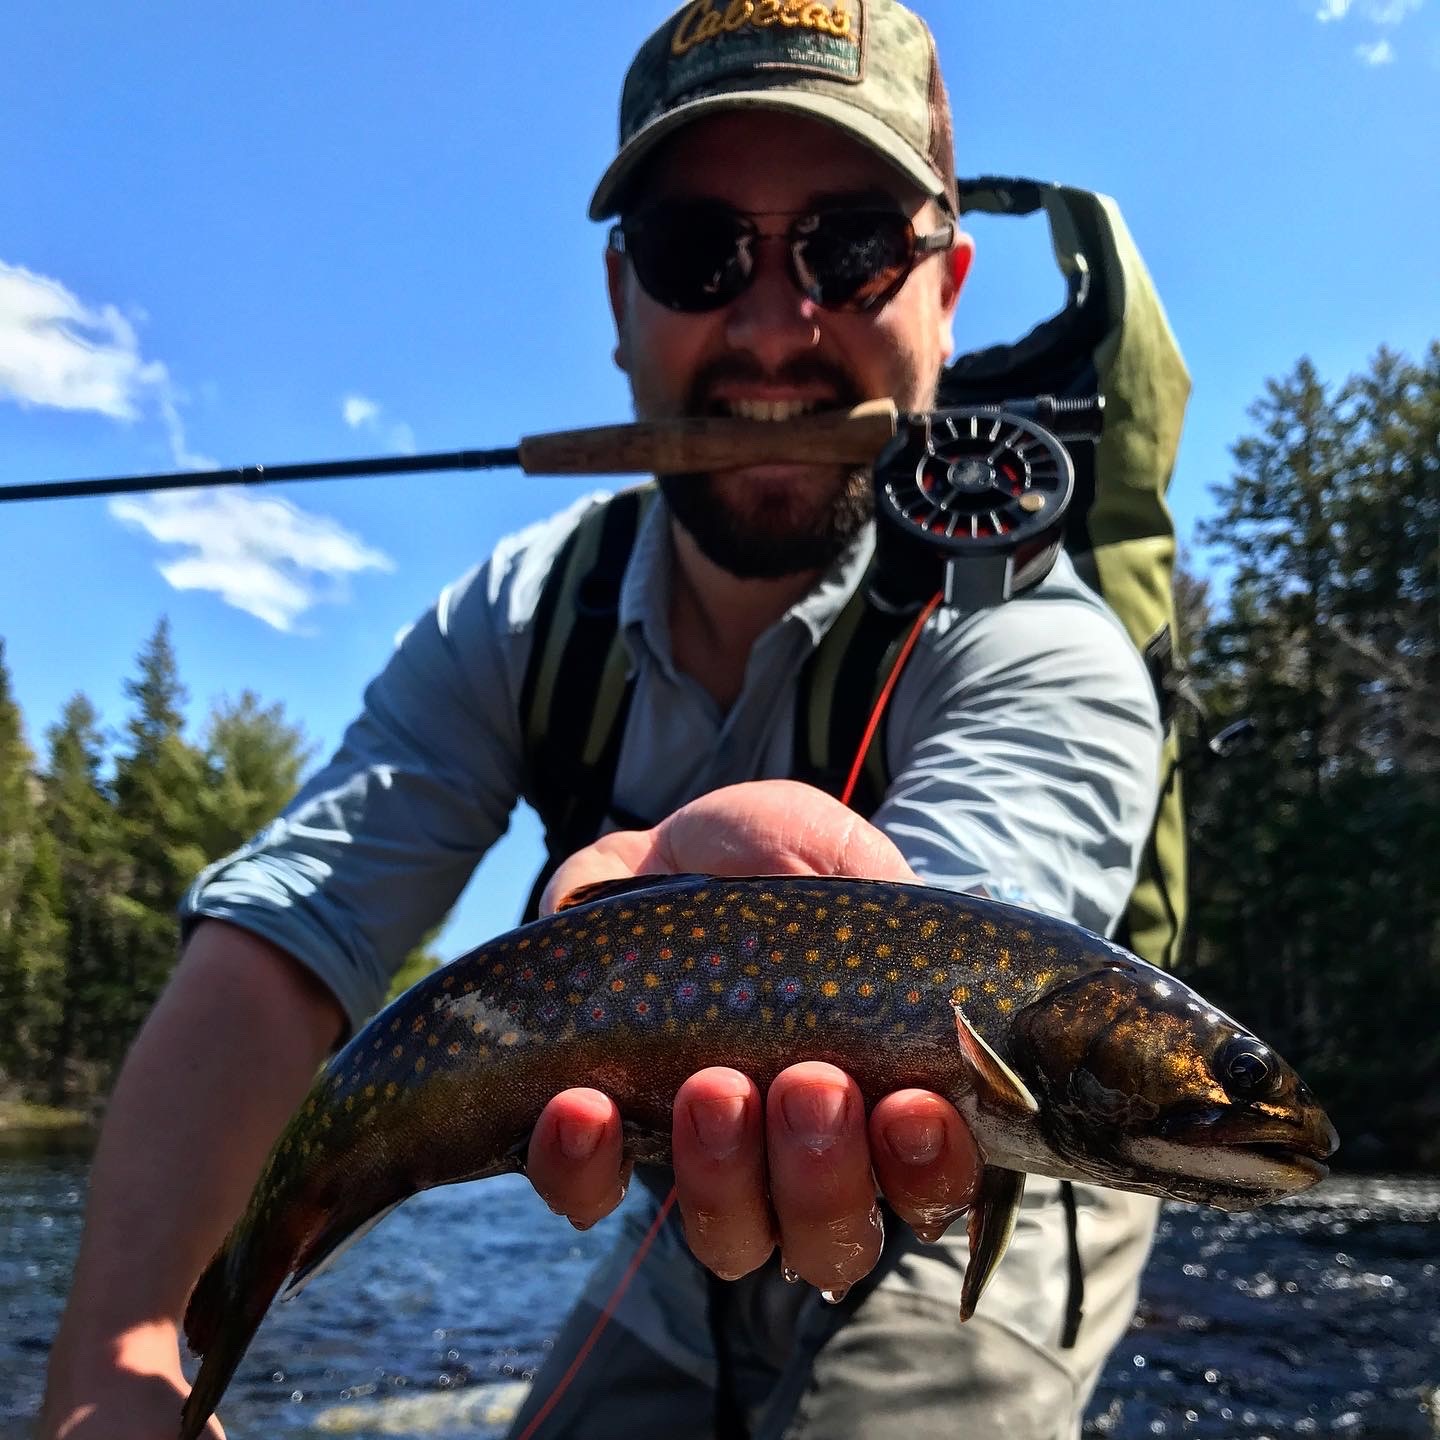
x,y
25,1125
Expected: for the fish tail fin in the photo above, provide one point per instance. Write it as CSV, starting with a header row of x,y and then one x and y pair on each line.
x,y
225,1310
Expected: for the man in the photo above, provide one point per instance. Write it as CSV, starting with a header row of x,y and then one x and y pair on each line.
x,y
787,242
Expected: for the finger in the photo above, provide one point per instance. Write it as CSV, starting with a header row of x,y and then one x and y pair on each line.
x,y
925,1160
820,1179
574,1160
718,1147
616,856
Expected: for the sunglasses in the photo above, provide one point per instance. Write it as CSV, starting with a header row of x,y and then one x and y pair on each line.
x,y
699,255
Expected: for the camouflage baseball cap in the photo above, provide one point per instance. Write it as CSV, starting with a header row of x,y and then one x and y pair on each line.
x,y
867,67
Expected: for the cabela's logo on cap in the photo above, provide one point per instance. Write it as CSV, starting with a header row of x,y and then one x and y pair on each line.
x,y
713,39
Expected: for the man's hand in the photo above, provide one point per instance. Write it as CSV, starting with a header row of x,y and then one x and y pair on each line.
x,y
797,1167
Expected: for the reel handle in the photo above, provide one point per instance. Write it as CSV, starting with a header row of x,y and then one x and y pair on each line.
x,y
676,447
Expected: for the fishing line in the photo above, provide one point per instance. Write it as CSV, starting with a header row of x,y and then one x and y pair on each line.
x,y
636,1260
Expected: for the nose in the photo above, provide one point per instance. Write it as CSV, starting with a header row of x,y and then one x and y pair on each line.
x,y
772,319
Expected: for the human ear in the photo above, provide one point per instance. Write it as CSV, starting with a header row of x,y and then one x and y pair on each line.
x,y
956,268
615,285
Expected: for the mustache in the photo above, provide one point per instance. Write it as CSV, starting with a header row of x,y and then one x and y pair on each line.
x,y
800,371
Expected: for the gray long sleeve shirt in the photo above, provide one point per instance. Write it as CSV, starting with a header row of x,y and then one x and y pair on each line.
x,y
1023,742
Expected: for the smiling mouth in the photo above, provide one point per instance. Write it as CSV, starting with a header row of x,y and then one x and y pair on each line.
x,y
766,410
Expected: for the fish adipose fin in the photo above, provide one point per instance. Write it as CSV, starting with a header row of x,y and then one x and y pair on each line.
x,y
993,1213
995,1082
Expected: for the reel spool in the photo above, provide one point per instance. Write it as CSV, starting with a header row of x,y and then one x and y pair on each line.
x,y
983,490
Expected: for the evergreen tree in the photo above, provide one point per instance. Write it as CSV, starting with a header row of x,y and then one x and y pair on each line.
x,y
253,762
1316,914
96,1015
158,779
17,871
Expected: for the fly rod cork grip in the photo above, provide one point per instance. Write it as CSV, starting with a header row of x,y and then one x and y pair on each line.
x,y
676,447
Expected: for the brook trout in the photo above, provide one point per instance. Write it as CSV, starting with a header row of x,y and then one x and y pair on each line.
x,y
1066,1055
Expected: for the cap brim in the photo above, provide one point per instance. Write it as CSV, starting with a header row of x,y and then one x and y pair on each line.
x,y
857,123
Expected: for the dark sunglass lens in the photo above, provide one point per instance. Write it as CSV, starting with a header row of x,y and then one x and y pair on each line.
x,y
689,257
854,259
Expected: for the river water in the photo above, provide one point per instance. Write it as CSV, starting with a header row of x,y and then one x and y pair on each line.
x,y
1316,1317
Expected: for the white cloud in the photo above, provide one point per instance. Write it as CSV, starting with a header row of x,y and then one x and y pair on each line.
x,y
1390,12
365,414
57,352
1380,53
260,554
359,411
1333,10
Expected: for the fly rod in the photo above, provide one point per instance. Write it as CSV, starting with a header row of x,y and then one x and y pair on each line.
x,y
656,447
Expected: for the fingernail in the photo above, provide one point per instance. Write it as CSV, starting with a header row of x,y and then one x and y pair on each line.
x,y
813,1114
719,1124
578,1141
792,1277
916,1139
835,1295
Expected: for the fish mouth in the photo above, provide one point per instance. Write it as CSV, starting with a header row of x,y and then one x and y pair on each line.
x,y
1291,1156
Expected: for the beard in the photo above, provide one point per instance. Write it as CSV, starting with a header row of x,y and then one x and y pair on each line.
x,y
776,530
769,539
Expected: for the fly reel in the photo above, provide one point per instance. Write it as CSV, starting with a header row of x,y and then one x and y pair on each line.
x,y
983,490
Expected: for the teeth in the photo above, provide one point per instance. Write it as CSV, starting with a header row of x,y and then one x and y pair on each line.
x,y
771,409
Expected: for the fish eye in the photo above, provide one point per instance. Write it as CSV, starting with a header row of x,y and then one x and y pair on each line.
x,y
1246,1068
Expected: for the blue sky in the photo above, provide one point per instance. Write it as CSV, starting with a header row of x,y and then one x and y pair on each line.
x,y
260,232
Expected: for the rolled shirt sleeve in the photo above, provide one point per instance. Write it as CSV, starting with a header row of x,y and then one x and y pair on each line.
x,y
376,848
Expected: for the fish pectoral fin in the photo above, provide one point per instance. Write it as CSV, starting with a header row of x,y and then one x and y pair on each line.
x,y
996,1082
993,1213
606,889
327,1247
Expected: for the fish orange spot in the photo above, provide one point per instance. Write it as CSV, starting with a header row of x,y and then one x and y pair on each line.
x,y
617,986
697,932
767,1015
960,995
420,1065
820,912
433,1040
418,1026
1002,959
523,944
468,987
865,990
776,956
812,957
842,933
548,986
453,1047
349,1103
510,1037
1005,1004
989,987
893,921
398,1052
498,970
829,989
990,928
752,970
892,976
391,1090
369,1092
928,929
852,962
448,983
940,976
637,929
811,1020
793,928
395,1025
712,1012
912,997
882,952
572,998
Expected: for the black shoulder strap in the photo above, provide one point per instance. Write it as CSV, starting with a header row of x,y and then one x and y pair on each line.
x,y
577,689
838,689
